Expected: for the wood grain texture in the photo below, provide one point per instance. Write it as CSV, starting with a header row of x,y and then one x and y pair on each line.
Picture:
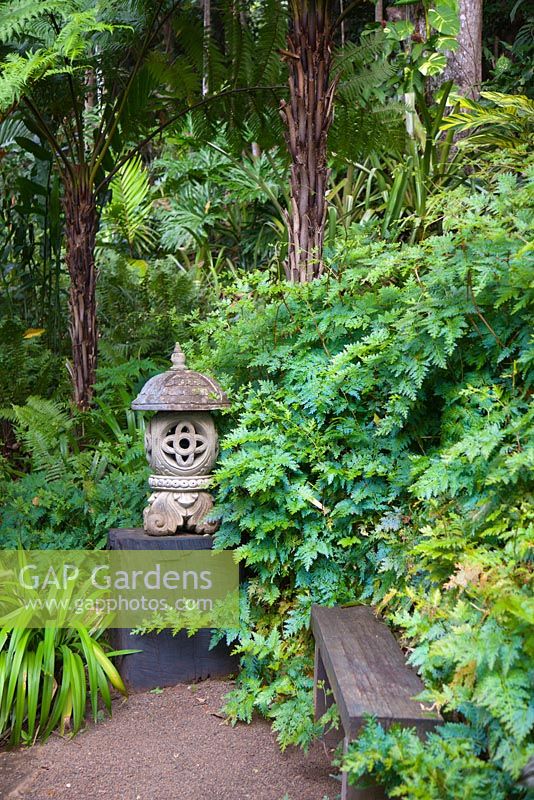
x,y
367,670
138,539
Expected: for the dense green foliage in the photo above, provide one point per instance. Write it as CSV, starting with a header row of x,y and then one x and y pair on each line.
x,y
66,495
379,445
509,45
381,453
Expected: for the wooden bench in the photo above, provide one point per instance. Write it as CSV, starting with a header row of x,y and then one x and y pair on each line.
x,y
360,666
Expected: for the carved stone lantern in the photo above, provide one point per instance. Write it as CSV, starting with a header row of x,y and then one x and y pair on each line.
x,y
181,447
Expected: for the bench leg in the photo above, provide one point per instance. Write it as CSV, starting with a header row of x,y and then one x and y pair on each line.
x,y
322,696
323,699
349,792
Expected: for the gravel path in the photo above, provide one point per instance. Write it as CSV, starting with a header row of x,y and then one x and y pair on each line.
x,y
168,746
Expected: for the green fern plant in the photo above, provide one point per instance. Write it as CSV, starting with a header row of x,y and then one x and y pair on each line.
x,y
380,452
58,52
67,496
219,210
367,118
47,432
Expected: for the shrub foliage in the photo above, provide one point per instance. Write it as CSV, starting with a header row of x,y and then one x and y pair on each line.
x,y
380,453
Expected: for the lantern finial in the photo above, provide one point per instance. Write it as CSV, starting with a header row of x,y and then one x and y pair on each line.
x,y
178,358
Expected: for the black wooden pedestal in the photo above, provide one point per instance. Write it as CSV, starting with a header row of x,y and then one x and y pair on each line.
x,y
166,659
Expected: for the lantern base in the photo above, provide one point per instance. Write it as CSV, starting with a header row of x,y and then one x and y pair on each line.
x,y
171,512
165,659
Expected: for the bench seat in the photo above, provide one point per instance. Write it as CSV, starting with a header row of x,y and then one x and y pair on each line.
x,y
358,659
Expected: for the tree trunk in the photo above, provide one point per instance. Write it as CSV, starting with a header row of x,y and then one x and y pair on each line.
x,y
379,11
81,223
307,117
206,47
465,64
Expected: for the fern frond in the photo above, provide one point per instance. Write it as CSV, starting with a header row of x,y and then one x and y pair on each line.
x,y
362,123
44,427
179,76
354,55
15,16
72,41
355,88
18,72
51,53
271,37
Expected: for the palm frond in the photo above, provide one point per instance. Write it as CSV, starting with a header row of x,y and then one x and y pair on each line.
x,y
10,130
128,213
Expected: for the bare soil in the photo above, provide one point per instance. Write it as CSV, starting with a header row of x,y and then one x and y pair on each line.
x,y
173,745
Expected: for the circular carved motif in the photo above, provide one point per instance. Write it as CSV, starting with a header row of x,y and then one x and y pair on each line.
x,y
181,444
184,444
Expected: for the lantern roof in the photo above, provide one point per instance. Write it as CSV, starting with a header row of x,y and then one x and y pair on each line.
x,y
180,389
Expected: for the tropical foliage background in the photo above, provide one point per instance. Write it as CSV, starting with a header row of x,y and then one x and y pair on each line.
x,y
379,446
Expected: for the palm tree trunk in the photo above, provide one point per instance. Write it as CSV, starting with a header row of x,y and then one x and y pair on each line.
x,y
307,117
206,47
81,223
